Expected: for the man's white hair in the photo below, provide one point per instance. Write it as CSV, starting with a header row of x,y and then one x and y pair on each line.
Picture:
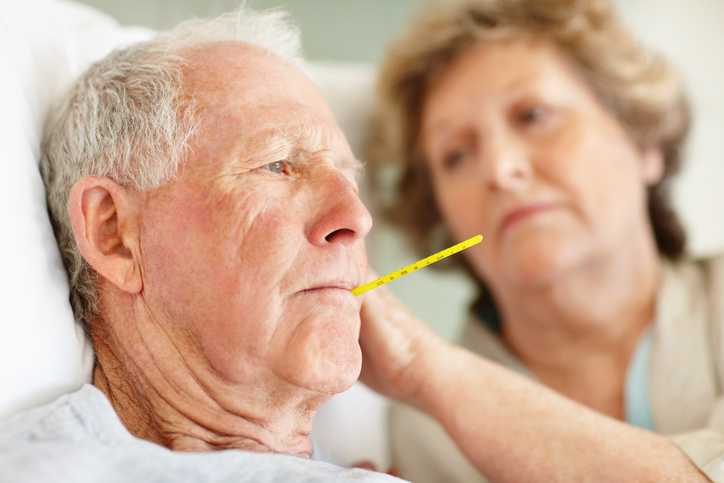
x,y
126,119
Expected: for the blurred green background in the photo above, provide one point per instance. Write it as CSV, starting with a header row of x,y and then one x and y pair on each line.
x,y
351,30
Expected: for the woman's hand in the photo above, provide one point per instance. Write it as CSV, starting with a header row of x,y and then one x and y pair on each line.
x,y
395,345
502,421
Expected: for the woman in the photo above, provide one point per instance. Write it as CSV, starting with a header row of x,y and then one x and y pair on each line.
x,y
549,129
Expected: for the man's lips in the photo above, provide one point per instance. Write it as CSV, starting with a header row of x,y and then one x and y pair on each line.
x,y
523,212
326,289
331,293
335,284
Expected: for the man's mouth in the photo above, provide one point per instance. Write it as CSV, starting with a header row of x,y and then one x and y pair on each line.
x,y
331,294
335,290
346,285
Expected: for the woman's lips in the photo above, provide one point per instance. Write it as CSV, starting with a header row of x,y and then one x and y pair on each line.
x,y
522,213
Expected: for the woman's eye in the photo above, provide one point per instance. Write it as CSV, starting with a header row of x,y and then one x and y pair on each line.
x,y
280,167
453,159
532,115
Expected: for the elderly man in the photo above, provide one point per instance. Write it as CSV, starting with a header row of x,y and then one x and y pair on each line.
x,y
206,205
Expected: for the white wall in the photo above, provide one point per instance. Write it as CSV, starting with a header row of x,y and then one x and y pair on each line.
x,y
691,33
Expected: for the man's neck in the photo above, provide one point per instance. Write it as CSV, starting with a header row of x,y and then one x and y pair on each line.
x,y
171,397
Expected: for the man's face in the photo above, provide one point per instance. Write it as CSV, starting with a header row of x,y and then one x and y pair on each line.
x,y
251,252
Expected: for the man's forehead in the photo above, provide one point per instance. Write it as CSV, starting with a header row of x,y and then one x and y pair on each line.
x,y
225,72
248,93
218,60
254,126
235,83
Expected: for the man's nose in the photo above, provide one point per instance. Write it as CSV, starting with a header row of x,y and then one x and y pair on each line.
x,y
507,164
342,217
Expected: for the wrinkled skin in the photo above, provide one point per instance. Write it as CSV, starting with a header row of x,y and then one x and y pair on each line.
x,y
228,316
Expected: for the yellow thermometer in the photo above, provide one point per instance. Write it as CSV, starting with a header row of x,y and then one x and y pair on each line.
x,y
436,257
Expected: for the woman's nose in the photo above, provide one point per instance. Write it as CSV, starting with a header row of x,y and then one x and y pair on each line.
x,y
341,215
507,164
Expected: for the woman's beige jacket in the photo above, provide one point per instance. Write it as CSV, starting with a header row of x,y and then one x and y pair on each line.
x,y
686,376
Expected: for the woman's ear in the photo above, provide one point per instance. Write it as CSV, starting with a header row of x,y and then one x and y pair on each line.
x,y
103,216
652,168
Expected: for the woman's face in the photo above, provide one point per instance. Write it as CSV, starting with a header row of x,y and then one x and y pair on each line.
x,y
520,150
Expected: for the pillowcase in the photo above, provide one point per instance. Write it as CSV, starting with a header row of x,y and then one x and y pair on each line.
x,y
43,46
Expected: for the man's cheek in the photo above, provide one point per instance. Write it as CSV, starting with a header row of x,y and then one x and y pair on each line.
x,y
236,337
269,236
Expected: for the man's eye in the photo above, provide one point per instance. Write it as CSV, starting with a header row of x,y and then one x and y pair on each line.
x,y
280,167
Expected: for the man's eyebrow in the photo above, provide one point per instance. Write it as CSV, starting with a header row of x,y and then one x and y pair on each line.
x,y
305,136
351,163
313,138
309,136
261,142
270,137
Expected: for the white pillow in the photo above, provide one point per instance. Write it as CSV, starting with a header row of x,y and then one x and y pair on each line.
x,y
43,45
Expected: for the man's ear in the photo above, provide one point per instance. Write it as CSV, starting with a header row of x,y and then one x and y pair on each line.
x,y
103,216
652,168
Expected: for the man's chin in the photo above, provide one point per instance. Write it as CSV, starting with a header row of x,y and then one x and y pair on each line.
x,y
328,372
336,374
323,354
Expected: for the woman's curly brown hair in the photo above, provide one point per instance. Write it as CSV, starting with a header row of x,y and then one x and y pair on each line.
x,y
638,86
